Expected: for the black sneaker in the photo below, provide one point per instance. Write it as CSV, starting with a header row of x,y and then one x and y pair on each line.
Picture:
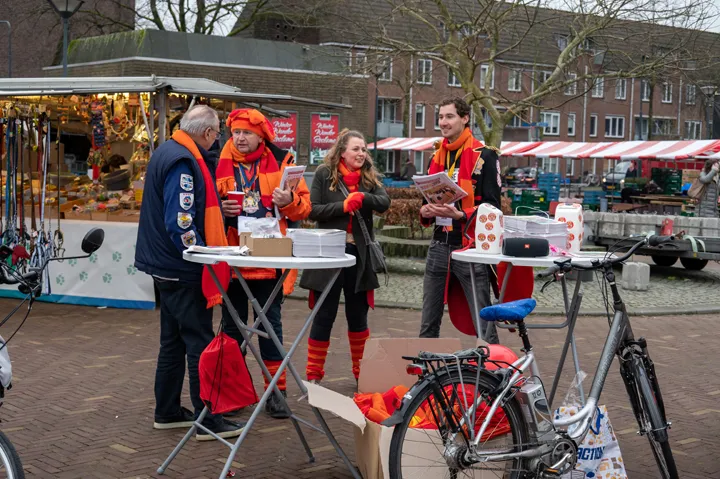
x,y
225,430
184,419
234,413
275,408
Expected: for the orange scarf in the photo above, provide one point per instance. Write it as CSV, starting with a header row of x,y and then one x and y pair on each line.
x,y
464,145
267,170
214,225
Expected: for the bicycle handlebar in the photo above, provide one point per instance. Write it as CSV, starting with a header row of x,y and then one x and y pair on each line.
x,y
566,265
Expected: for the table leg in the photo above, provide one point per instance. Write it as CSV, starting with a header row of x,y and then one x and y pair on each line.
x,y
476,309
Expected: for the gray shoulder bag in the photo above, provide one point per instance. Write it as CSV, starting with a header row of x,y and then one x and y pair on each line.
x,y
375,252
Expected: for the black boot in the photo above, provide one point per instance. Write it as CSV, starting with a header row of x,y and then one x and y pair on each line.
x,y
277,408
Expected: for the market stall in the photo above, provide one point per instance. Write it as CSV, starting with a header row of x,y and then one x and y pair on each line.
x,y
74,154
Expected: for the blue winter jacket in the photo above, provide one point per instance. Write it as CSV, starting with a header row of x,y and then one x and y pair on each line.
x,y
172,216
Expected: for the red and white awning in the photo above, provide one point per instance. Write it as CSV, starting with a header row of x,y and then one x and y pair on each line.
x,y
508,148
412,144
658,150
566,149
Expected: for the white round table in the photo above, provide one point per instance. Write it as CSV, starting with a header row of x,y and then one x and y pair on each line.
x,y
335,265
472,256
278,262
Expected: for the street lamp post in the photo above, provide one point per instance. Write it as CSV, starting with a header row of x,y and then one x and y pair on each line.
x,y
378,69
709,91
66,9
9,48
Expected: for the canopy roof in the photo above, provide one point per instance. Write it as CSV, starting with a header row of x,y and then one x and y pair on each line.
x,y
188,86
508,148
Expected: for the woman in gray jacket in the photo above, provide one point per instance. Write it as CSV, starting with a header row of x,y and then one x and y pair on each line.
x,y
708,207
348,162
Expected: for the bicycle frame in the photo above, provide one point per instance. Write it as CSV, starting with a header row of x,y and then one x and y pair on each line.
x,y
619,332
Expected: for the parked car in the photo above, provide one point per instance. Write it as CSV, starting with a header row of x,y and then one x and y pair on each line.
x,y
522,176
614,180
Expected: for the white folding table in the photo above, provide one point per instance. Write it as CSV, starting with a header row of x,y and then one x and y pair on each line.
x,y
287,263
572,307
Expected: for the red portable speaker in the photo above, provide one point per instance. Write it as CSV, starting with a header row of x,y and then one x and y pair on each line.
x,y
225,382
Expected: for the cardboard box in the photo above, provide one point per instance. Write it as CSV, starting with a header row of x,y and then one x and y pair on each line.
x,y
381,368
266,246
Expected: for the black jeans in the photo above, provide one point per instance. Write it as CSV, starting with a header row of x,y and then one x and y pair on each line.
x,y
261,289
186,329
356,304
436,270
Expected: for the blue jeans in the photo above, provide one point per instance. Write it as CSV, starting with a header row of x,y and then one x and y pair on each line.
x,y
261,289
186,329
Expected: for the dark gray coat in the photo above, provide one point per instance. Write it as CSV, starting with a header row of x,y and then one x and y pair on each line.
x,y
327,210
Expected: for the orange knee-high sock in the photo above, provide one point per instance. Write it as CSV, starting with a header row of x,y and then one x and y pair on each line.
x,y
357,347
317,352
273,367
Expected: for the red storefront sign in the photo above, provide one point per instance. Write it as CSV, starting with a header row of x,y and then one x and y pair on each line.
x,y
324,130
286,132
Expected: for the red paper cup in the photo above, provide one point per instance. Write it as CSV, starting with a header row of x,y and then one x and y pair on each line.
x,y
238,196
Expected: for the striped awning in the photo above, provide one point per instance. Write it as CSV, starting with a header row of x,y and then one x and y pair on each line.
x,y
566,149
508,148
658,150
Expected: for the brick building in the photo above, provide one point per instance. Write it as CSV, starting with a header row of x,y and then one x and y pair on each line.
x,y
36,31
409,88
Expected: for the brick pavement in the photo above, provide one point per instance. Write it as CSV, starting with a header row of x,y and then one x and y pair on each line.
x,y
82,405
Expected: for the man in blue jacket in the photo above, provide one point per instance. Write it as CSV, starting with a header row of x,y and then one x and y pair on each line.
x,y
171,220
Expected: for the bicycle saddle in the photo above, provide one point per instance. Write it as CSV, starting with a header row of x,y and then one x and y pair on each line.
x,y
513,311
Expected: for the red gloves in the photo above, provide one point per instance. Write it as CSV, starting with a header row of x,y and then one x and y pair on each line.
x,y
353,202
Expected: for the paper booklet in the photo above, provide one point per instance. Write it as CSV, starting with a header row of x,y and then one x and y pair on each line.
x,y
439,189
290,180
231,250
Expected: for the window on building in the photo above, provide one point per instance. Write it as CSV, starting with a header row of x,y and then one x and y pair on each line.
x,y
437,118
516,122
569,167
571,124
562,41
419,161
614,127
571,88
515,80
361,62
424,71
387,71
484,69
620,89
544,76
667,92
390,162
419,116
388,110
598,90
552,119
453,80
663,126
645,90
693,130
593,125
690,94
348,60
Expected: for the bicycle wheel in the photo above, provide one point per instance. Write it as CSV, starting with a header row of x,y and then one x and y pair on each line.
x,y
650,416
10,465
429,442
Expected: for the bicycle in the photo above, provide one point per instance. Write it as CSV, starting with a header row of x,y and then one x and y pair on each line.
x,y
30,284
508,410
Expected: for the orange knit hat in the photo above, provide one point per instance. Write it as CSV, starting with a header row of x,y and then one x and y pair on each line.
x,y
251,120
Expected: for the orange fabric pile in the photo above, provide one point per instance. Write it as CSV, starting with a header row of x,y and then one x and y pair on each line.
x,y
378,407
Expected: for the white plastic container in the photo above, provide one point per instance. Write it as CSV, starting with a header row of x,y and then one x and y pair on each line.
x,y
572,215
489,229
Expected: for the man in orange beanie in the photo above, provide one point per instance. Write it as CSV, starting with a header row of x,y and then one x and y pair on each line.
x,y
250,163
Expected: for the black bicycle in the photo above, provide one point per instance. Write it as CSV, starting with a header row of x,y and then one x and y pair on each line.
x,y
30,284
462,419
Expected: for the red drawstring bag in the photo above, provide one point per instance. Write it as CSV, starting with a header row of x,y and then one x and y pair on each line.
x,y
225,382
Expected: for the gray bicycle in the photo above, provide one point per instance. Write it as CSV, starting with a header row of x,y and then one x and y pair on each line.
x,y
462,419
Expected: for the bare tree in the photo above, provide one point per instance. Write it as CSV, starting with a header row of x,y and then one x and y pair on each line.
x,y
208,17
572,50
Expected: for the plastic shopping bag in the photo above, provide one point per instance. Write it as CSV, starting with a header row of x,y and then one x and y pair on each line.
x,y
225,382
599,454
